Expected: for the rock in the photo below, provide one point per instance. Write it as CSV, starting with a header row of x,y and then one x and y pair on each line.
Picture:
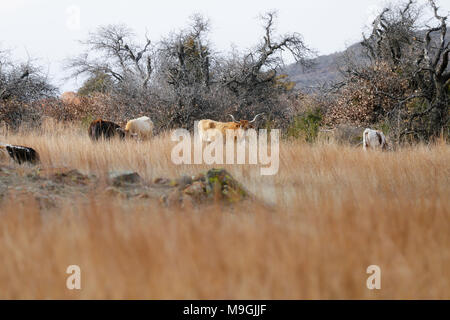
x,y
114,192
216,185
35,175
143,196
196,191
199,177
222,186
161,181
123,179
49,186
184,181
72,177
167,183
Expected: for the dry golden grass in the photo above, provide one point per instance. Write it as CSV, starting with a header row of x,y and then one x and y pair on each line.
x,y
336,210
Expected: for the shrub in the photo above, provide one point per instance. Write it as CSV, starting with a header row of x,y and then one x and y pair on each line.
x,y
100,82
14,113
359,102
305,126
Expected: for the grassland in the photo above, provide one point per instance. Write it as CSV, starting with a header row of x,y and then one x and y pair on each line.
x,y
334,210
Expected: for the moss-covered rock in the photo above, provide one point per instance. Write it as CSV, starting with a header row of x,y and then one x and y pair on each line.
x,y
196,191
221,186
71,177
216,185
127,178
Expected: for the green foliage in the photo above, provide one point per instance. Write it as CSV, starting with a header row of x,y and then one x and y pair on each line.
x,y
269,124
305,126
86,121
100,82
385,127
417,105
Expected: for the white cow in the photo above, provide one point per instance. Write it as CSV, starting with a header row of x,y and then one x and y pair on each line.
x,y
141,127
374,139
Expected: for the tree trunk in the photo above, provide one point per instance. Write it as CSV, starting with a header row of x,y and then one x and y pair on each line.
x,y
439,115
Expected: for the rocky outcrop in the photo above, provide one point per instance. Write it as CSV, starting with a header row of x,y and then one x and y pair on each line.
x,y
70,177
50,185
124,179
216,185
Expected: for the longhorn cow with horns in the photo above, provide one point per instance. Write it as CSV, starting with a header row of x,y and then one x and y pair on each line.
x,y
209,129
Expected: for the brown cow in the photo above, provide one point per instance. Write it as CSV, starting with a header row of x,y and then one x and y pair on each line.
x,y
104,129
20,154
208,129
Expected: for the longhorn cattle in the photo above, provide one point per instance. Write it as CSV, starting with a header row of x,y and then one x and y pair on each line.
x,y
20,154
374,139
141,127
104,129
209,129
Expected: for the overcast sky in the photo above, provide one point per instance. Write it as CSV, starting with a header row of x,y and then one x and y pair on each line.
x,y
48,29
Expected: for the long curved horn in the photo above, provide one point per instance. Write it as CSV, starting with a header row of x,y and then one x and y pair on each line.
x,y
256,117
232,117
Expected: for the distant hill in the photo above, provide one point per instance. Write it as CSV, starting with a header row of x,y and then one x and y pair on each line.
x,y
325,69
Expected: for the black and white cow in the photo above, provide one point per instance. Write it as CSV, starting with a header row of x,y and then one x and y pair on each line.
x,y
20,154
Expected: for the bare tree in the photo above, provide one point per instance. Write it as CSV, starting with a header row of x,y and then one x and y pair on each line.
x,y
261,65
22,85
185,57
393,33
111,50
184,74
22,81
254,77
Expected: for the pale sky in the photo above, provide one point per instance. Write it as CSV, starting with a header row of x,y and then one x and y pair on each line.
x,y
49,30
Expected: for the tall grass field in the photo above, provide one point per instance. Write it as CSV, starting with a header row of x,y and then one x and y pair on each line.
x,y
310,233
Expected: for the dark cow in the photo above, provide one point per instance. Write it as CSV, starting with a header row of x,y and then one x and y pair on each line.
x,y
105,129
21,154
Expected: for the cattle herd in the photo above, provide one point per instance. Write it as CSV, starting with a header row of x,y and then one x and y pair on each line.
x,y
142,129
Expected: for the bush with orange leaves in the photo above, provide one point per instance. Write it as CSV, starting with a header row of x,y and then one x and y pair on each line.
x,y
367,95
84,109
